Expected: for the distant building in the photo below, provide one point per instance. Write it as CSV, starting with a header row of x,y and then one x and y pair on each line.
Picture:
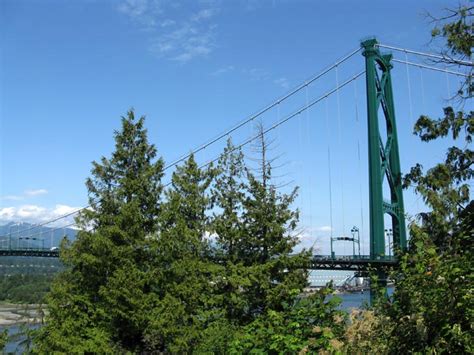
x,y
320,278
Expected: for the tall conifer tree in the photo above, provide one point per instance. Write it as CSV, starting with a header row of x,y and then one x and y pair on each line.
x,y
187,303
270,237
255,234
229,230
228,196
100,302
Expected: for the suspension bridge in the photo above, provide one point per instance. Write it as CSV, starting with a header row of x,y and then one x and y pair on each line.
x,y
378,184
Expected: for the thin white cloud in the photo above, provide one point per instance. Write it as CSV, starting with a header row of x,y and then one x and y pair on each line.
x,y
283,82
35,192
306,240
7,213
223,70
256,74
252,5
167,23
60,210
204,14
174,35
30,212
26,194
37,214
185,42
143,12
12,198
324,229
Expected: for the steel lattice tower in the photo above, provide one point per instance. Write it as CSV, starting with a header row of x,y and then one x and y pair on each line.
x,y
384,158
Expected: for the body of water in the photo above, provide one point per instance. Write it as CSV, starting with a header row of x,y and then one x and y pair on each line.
x,y
357,299
17,344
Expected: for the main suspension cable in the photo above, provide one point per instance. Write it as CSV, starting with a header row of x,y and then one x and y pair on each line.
x,y
306,83
36,226
52,230
265,109
431,68
286,119
429,55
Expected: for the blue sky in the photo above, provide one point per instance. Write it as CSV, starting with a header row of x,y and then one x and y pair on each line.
x,y
70,69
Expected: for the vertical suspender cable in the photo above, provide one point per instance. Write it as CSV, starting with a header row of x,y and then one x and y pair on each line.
x,y
359,168
278,128
250,130
309,174
340,147
423,91
424,111
447,83
328,134
301,149
409,89
30,235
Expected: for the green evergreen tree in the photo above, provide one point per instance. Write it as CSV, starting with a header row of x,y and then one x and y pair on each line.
x,y
228,229
256,236
263,285
187,304
265,249
101,302
228,196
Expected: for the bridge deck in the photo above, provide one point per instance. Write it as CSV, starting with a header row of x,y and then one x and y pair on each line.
x,y
47,253
353,263
318,262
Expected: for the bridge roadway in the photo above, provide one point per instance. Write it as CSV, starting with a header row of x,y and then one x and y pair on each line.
x,y
358,263
38,252
318,262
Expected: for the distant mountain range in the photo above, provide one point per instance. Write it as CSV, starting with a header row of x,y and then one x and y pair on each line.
x,y
21,234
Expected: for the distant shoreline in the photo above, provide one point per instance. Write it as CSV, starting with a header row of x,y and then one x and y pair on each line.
x,y
15,314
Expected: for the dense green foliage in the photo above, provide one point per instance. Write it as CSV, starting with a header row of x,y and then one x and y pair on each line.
x,y
26,279
185,276
3,339
311,324
433,302
456,30
28,265
255,236
203,266
21,288
103,300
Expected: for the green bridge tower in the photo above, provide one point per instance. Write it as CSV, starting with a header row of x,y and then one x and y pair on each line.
x,y
384,159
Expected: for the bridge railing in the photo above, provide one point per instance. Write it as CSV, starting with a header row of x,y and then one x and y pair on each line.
x,y
38,252
354,257
28,249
